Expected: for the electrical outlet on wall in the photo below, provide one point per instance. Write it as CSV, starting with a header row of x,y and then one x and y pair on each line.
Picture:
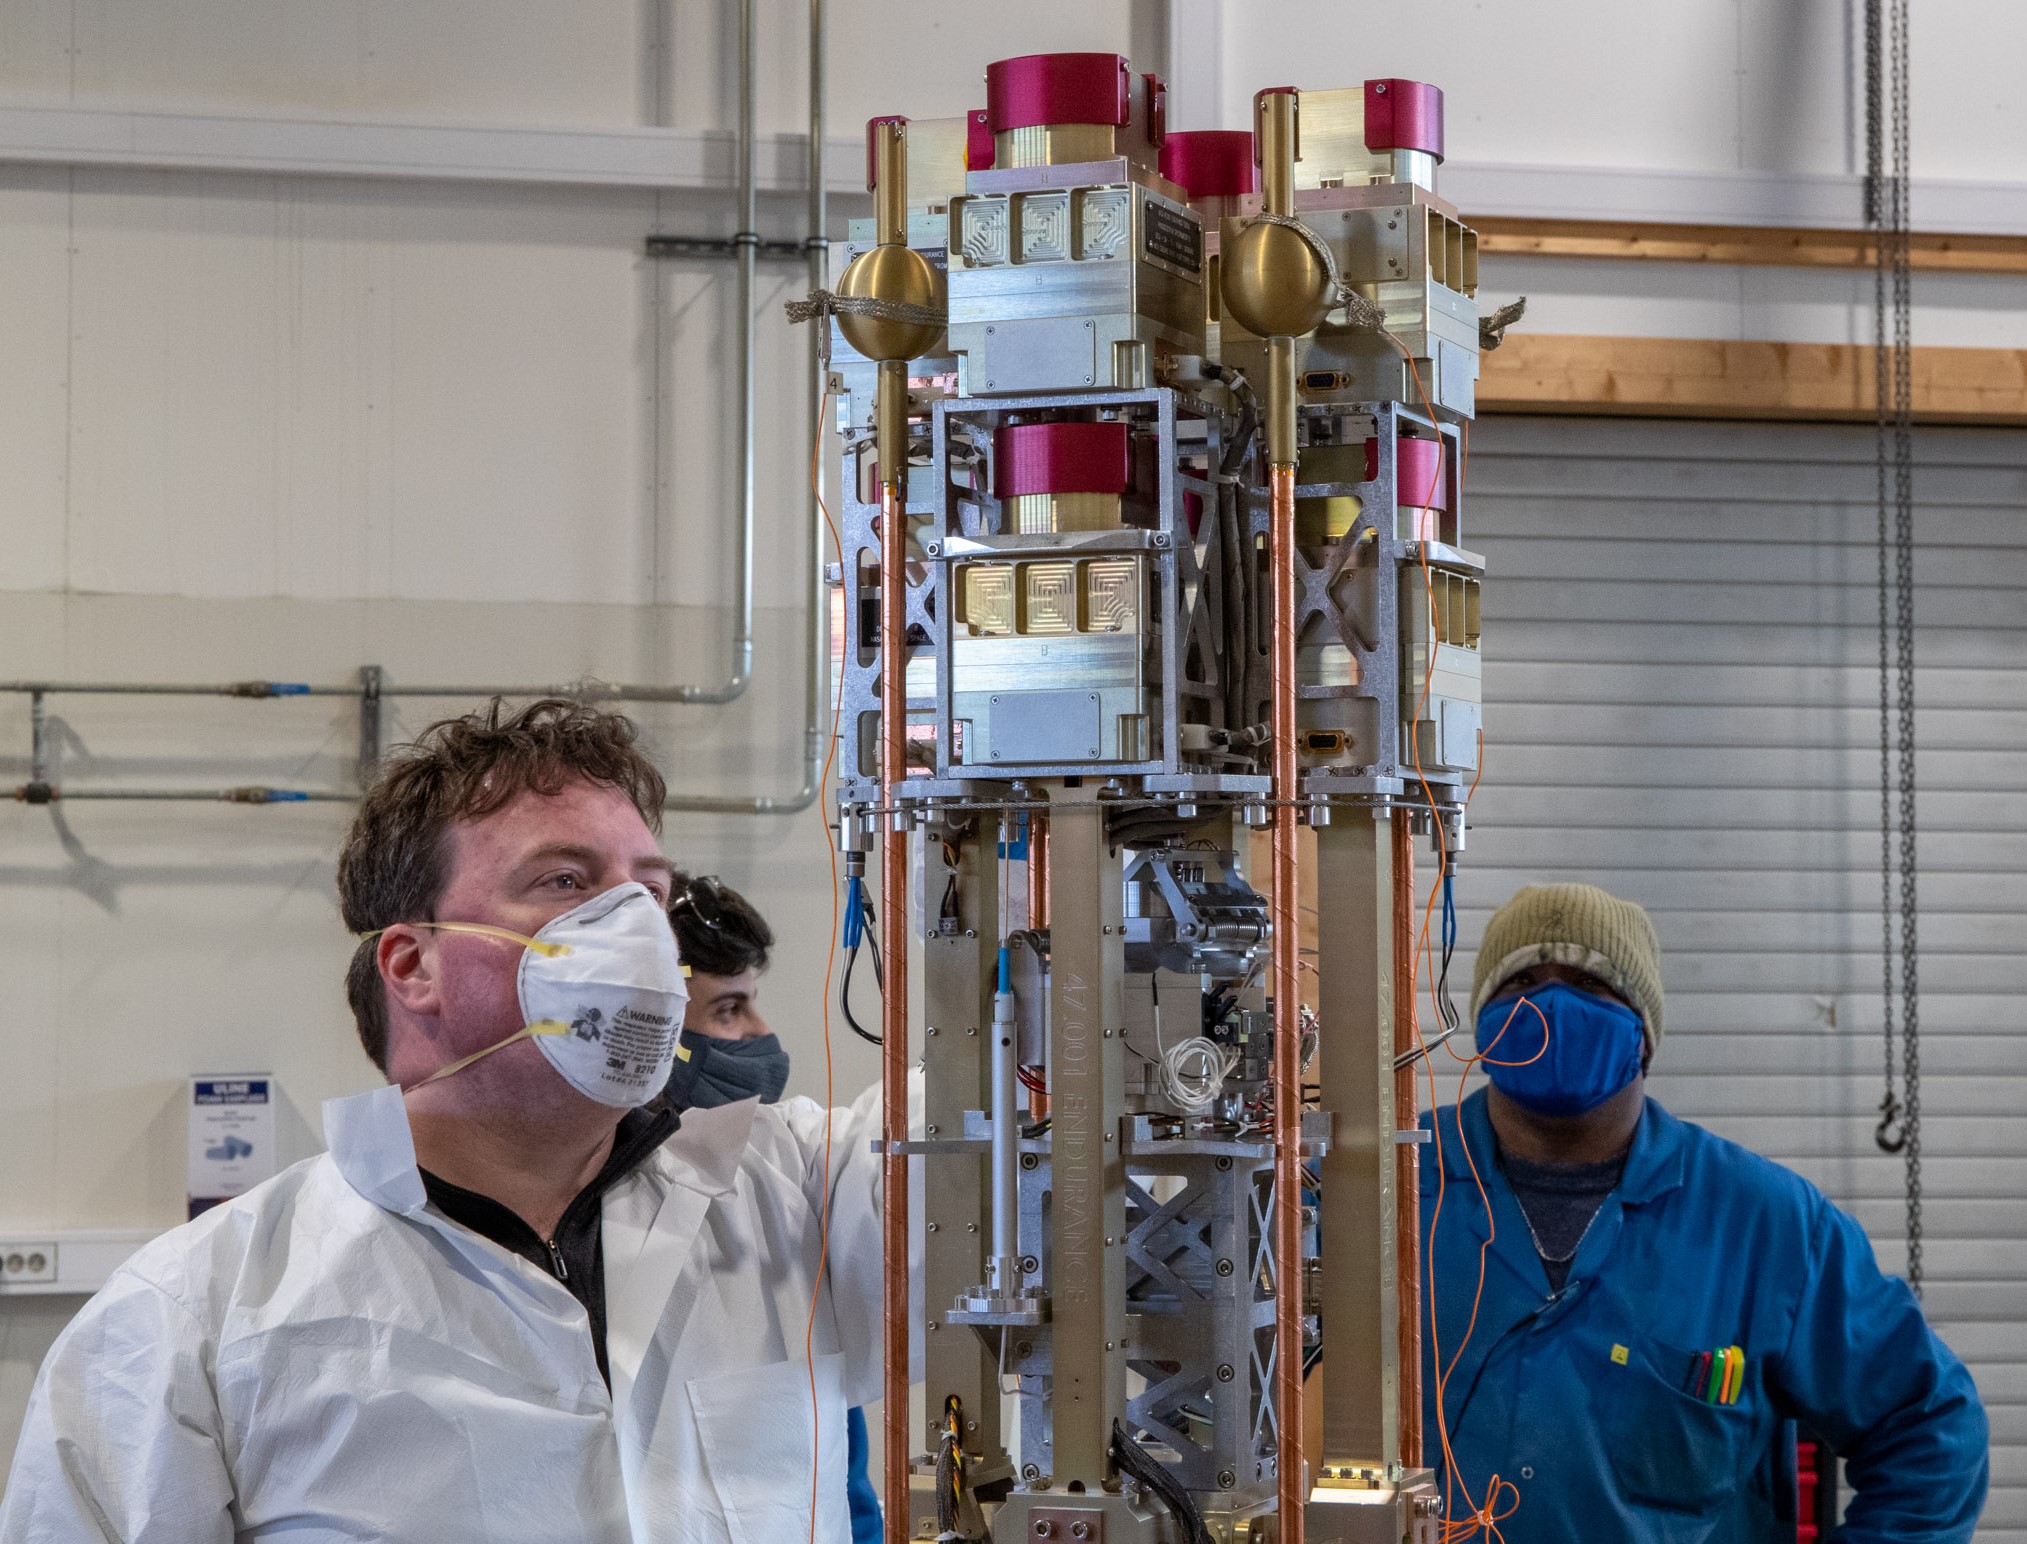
x,y
25,1262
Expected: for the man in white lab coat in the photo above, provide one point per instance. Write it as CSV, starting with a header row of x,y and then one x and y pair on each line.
x,y
508,1304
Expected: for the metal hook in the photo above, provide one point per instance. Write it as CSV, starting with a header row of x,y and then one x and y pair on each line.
x,y
1890,1133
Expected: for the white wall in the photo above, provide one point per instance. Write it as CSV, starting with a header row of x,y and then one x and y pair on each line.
x,y
286,426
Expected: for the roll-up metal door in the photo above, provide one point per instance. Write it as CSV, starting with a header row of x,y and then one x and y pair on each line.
x,y
1681,680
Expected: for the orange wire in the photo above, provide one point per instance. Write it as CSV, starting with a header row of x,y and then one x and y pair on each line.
x,y
830,965
1479,1520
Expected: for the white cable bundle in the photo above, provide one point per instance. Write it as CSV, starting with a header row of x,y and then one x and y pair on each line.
x,y
1193,1073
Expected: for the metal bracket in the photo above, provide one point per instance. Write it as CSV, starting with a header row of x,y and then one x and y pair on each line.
x,y
727,246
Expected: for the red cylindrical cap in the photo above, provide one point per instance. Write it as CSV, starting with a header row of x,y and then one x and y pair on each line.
x,y
979,149
1057,88
1211,163
1060,458
872,139
1418,469
1404,115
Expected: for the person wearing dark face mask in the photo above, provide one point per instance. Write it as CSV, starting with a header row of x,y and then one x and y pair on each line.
x,y
1660,1308
726,1053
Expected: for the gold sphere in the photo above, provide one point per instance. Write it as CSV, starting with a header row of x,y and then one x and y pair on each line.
x,y
1275,284
892,274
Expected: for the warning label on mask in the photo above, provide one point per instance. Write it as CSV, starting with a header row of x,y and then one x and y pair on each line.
x,y
634,1042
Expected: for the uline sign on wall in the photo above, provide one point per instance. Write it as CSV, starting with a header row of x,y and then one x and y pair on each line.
x,y
232,1136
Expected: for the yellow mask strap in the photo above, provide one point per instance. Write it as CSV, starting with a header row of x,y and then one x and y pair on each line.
x,y
541,1027
487,930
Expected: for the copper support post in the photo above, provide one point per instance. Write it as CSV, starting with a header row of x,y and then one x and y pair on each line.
x,y
1038,918
1038,871
894,945
1292,1480
1407,1155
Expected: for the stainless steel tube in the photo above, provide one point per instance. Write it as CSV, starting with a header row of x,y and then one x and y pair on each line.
x,y
1006,1137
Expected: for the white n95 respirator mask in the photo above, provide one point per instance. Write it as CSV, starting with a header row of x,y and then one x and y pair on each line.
x,y
602,995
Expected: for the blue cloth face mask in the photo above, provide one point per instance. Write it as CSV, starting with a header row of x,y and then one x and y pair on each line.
x,y
1594,1048
710,1072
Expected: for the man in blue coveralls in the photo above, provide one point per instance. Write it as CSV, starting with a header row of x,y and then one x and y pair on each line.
x,y
1659,1306
729,1053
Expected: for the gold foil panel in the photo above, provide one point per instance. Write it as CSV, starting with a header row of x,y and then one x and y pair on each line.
x,y
935,148
1048,599
1111,595
1330,139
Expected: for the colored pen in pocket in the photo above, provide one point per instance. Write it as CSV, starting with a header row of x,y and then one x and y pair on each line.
x,y
1699,1375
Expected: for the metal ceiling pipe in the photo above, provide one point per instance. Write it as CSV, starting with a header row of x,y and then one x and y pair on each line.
x,y
816,652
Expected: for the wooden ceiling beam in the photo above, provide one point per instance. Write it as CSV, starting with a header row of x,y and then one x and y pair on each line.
x,y
1739,379
1747,246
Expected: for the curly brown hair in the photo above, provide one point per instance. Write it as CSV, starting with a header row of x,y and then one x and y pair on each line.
x,y
395,861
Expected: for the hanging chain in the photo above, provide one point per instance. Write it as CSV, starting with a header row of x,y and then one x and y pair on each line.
x,y
1903,471
1886,33
1889,1135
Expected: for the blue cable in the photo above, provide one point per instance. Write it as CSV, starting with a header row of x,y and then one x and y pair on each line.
x,y
854,926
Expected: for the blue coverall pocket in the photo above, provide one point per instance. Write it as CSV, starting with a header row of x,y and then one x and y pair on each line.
x,y
1669,1449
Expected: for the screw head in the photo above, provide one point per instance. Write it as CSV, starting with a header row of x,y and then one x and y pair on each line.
x,y
1030,1161
1080,1530
1224,1267
1044,1529
1031,1472
1226,1479
1225,1373
1224,1163
1028,1262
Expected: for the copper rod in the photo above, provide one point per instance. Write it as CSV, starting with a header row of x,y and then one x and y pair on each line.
x,y
1038,872
1407,1155
1285,962
894,1003
1038,918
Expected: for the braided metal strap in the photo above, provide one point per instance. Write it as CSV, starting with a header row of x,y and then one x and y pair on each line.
x,y
1492,329
822,303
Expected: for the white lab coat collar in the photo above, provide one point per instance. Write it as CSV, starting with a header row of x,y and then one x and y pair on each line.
x,y
710,1143
374,1149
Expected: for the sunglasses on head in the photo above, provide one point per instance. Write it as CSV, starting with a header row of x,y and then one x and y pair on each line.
x,y
703,898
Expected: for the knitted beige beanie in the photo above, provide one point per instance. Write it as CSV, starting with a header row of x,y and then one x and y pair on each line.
x,y
1580,926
